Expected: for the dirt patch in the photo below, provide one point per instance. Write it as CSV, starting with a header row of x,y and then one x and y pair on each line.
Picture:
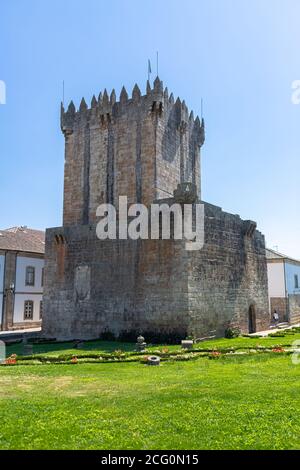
x,y
60,383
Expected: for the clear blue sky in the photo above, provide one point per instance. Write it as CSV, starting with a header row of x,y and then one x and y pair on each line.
x,y
241,56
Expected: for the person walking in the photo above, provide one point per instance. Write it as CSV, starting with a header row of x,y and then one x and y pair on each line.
x,y
275,317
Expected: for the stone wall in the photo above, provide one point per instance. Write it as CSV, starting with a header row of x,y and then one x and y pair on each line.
x,y
294,309
280,304
228,276
113,285
155,285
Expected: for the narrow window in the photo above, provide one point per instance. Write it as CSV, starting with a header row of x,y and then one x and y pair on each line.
x,y
41,309
296,281
42,281
28,310
30,275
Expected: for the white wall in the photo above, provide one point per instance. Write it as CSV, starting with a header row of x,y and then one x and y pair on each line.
x,y
19,307
22,263
2,266
292,269
23,292
276,279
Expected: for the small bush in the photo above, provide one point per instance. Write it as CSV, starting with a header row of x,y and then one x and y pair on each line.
x,y
232,333
119,353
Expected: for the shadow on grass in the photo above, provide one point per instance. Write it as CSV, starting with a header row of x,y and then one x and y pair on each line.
x,y
101,346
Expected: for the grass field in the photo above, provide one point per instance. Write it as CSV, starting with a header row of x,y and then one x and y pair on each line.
x,y
233,402
60,349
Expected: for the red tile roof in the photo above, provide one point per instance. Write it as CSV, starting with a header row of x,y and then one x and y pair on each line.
x,y
22,239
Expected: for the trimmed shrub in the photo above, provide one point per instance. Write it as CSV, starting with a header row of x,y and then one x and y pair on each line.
x,y
232,333
153,337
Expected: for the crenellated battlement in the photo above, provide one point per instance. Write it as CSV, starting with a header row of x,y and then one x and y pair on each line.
x,y
155,101
141,146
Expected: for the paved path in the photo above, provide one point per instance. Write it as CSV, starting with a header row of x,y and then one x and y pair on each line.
x,y
18,332
18,335
273,330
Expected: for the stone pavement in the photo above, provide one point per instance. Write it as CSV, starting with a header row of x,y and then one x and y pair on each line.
x,y
274,330
17,332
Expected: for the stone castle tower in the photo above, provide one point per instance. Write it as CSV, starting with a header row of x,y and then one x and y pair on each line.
x,y
146,147
142,147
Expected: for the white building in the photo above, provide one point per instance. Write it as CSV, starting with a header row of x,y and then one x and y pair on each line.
x,y
21,278
284,286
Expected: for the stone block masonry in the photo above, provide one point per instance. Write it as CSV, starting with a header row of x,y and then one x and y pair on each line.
x,y
294,309
280,304
143,147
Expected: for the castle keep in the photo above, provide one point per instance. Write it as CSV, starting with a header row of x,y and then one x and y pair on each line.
x,y
145,147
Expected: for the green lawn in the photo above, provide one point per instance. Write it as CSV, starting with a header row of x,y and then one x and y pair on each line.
x,y
243,343
238,402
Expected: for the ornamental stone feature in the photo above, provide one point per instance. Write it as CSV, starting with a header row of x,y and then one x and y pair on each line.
x,y
187,344
141,345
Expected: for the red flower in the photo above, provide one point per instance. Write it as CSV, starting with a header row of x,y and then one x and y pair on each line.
x,y
11,360
278,350
215,354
